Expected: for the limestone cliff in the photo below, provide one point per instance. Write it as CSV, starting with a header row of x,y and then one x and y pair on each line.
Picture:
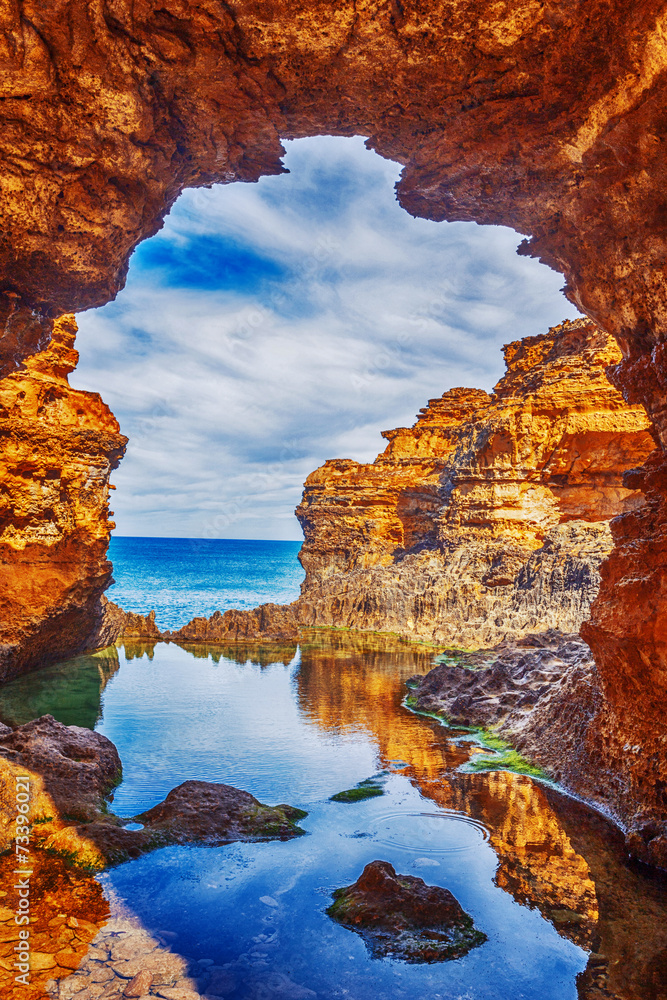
x,y
547,117
488,518
59,446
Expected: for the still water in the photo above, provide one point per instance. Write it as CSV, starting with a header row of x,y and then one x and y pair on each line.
x,y
545,879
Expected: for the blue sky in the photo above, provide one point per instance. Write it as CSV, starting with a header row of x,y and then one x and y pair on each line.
x,y
271,326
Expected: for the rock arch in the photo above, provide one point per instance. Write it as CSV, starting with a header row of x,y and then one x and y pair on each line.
x,y
544,115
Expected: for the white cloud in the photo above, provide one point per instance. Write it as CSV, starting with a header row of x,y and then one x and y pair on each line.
x,y
272,326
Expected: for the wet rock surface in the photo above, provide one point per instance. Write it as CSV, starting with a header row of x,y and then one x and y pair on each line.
x,y
206,813
400,916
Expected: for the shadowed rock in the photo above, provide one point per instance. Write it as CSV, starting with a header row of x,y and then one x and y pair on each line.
x,y
208,813
79,767
400,916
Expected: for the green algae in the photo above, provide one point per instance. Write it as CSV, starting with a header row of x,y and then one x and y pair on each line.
x,y
357,794
503,757
370,788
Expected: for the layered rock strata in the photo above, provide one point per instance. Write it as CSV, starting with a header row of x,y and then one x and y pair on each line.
x,y
487,519
58,448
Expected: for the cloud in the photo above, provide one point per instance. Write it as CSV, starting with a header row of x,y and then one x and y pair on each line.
x,y
270,326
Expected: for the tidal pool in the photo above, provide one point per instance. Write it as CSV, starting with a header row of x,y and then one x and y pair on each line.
x,y
544,878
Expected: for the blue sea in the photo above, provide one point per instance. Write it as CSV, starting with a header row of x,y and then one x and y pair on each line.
x,y
180,578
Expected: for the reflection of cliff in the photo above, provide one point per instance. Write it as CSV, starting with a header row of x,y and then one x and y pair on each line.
x,y
489,517
262,656
71,692
67,907
553,853
538,865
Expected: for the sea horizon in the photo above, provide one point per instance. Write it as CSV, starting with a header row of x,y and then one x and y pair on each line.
x,y
184,578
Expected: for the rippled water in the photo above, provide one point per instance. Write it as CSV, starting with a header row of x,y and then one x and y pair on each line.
x,y
543,878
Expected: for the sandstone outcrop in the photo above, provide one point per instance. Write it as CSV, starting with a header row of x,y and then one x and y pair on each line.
x,y
59,446
400,916
267,623
545,117
489,518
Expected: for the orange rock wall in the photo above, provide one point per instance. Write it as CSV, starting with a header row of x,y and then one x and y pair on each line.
x,y
59,446
545,116
489,517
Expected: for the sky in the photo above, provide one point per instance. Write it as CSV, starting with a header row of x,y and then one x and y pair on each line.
x,y
271,326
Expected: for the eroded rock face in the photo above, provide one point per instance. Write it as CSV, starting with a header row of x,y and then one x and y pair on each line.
x,y
267,623
402,917
59,446
487,519
524,114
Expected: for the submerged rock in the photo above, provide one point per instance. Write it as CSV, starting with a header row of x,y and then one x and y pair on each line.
x,y
400,916
368,789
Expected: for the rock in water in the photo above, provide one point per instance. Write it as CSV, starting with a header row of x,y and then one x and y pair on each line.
x,y
206,813
400,916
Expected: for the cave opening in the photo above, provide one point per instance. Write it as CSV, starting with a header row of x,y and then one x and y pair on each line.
x,y
271,326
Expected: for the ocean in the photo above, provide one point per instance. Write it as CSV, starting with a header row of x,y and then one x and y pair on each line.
x,y
180,578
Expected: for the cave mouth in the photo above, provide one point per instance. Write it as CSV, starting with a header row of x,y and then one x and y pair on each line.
x,y
271,326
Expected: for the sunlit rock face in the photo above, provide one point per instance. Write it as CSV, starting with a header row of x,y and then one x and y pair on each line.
x,y
547,117
488,518
59,446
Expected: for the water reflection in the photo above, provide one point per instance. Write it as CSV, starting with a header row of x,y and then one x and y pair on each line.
x,y
71,691
554,854
298,728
